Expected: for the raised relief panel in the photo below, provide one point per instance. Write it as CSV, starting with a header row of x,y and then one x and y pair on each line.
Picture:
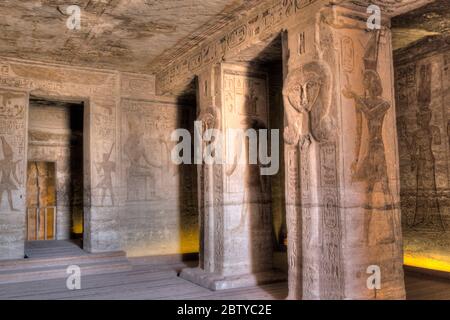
x,y
149,173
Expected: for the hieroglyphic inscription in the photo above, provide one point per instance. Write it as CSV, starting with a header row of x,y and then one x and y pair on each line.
x,y
331,276
254,27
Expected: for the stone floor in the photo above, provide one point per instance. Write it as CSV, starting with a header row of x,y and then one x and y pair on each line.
x,y
161,282
156,278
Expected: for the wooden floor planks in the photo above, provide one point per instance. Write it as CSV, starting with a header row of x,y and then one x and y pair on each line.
x,y
152,281
161,282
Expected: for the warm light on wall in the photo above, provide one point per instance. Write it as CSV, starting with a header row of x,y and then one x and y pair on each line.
x,y
78,228
77,220
426,263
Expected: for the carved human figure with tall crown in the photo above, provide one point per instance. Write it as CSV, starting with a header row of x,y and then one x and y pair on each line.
x,y
370,164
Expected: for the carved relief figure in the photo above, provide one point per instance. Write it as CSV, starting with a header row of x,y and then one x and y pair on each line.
x,y
370,164
423,161
428,212
108,167
7,109
372,167
256,186
9,180
308,93
140,164
209,119
251,101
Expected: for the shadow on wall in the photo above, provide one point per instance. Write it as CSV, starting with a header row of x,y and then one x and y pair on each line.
x,y
189,235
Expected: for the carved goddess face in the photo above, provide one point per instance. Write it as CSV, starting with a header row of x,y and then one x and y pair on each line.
x,y
303,90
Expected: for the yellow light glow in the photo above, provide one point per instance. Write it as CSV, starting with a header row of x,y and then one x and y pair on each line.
x,y
426,263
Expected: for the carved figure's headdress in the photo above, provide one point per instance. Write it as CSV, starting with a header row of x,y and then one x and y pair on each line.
x,y
372,50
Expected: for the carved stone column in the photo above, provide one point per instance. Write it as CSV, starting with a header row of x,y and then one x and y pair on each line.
x,y
342,174
235,217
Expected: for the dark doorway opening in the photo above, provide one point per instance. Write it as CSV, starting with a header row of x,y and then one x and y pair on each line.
x,y
55,171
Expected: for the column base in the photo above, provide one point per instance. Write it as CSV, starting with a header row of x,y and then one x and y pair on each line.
x,y
218,282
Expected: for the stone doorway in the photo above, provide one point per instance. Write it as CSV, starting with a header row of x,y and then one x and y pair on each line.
x,y
54,193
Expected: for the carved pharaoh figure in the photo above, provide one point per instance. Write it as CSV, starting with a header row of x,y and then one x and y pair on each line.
x,y
371,167
108,167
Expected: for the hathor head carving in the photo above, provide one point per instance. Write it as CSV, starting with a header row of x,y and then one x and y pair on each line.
x,y
210,118
308,89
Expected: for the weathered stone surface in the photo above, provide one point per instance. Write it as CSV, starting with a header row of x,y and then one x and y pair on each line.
x,y
160,215
431,19
341,174
115,34
347,182
235,209
106,200
422,88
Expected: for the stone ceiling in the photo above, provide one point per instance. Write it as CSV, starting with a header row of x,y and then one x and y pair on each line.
x,y
431,19
118,34
144,35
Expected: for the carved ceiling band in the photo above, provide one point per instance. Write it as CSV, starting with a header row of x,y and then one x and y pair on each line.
x,y
267,20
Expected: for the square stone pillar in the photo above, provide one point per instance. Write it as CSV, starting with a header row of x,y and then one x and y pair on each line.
x,y
234,198
342,173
